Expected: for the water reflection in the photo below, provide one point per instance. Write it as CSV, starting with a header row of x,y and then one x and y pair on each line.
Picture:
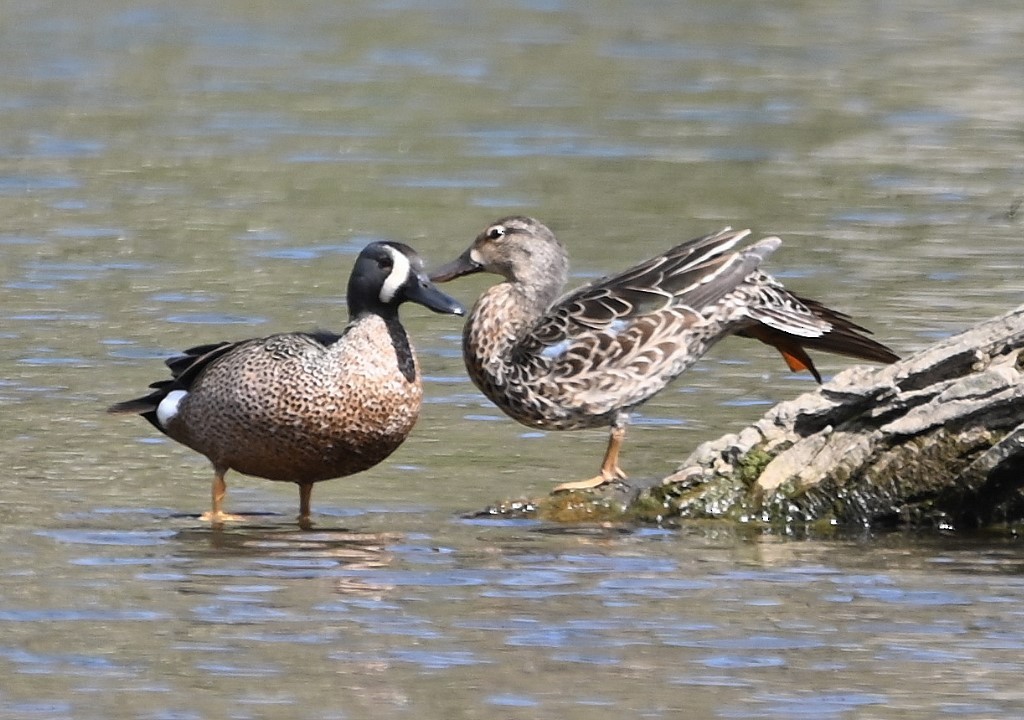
x,y
657,611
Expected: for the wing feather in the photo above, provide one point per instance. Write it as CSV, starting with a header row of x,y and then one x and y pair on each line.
x,y
678,284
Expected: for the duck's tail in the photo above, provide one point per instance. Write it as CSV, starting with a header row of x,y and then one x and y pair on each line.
x,y
844,337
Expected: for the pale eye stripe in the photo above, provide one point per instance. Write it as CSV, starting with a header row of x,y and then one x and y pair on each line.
x,y
400,269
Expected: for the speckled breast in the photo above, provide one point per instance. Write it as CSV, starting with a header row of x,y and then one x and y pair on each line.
x,y
289,408
528,392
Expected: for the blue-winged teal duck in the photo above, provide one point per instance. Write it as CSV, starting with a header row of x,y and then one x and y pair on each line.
x,y
304,407
587,358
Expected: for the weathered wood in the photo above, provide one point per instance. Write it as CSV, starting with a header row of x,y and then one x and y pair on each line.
x,y
934,440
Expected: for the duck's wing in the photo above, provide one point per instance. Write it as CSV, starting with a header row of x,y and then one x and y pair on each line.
x,y
618,340
682,283
185,369
189,365
622,338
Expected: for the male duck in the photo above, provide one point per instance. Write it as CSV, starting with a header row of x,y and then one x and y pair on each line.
x,y
304,407
589,357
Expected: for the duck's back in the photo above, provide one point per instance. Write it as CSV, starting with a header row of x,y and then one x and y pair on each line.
x,y
305,407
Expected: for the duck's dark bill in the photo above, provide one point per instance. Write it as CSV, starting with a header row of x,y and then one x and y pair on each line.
x,y
426,294
462,265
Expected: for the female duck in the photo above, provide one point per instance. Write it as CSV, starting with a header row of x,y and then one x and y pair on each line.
x,y
587,358
304,407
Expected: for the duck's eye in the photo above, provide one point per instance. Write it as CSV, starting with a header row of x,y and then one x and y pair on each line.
x,y
385,263
498,231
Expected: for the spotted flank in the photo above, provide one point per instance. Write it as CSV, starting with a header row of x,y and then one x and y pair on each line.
x,y
304,407
587,358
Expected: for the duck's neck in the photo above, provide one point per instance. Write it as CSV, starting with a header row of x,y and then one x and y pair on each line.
x,y
403,348
497,324
404,354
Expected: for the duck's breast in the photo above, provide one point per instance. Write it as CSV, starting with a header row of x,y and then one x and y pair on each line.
x,y
290,407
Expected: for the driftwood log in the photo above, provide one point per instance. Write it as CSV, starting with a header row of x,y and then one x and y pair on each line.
x,y
935,440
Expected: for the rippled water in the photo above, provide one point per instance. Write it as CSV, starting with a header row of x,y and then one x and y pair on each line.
x,y
189,172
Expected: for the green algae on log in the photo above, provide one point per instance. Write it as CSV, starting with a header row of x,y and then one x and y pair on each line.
x,y
935,440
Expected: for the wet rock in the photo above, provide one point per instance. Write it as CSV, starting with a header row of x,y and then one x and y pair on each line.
x,y
936,439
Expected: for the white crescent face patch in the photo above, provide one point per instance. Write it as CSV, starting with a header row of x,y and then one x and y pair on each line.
x,y
400,269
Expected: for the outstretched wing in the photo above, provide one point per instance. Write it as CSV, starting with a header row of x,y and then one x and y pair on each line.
x,y
618,340
677,285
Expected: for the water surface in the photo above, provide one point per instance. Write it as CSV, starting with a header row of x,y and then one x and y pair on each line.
x,y
203,171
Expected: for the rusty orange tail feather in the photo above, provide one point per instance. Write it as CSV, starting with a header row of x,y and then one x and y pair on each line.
x,y
845,338
788,347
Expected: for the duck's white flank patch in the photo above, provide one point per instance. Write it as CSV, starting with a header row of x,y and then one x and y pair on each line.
x,y
168,407
396,278
557,350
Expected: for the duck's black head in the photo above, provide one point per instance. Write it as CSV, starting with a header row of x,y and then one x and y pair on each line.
x,y
387,274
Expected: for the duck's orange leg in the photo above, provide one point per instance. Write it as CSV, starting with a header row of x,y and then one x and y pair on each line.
x,y
217,516
610,470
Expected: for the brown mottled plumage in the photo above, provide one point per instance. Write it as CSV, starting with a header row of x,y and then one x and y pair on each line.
x,y
304,407
587,358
